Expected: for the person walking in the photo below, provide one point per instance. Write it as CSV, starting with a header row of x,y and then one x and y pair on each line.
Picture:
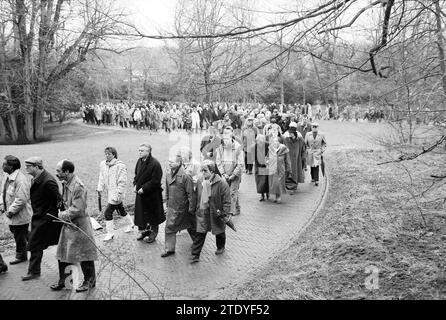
x,y
294,141
113,178
180,204
45,199
316,144
15,202
76,243
149,211
213,196
195,117
261,169
230,163
209,144
279,168
3,265
249,134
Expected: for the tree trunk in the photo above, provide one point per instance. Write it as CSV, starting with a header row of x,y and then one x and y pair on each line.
x,y
2,130
441,54
38,125
12,123
28,128
316,69
207,86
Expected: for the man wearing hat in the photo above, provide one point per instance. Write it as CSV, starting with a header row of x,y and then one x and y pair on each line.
x,y
316,144
249,135
296,144
45,198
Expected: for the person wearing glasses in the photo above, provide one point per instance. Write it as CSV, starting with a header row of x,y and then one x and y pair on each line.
x,y
316,144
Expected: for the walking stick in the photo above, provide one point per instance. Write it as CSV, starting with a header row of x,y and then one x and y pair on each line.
x,y
99,202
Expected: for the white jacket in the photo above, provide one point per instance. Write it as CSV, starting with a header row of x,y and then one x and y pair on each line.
x,y
17,198
113,178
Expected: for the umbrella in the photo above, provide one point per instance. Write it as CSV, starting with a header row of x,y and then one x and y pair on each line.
x,y
226,219
99,202
323,166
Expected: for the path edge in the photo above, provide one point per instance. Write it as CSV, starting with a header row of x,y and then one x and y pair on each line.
x,y
228,292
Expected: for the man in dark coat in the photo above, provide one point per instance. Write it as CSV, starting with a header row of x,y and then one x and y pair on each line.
x,y
45,198
149,211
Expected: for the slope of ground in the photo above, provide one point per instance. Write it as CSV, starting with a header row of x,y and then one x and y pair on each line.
x,y
371,240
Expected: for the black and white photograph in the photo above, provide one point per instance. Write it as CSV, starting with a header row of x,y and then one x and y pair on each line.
x,y
242,151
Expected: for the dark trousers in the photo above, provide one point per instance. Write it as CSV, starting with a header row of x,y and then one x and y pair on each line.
x,y
87,267
200,238
21,240
108,213
34,262
248,166
315,173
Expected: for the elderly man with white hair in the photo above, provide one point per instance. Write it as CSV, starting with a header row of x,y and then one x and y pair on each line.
x,y
149,211
180,203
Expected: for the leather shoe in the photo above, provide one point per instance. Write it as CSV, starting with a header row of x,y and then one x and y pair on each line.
x,y
57,286
149,239
142,235
3,268
86,285
194,259
168,253
220,251
17,261
30,276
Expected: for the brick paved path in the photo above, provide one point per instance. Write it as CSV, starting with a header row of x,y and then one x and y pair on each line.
x,y
263,228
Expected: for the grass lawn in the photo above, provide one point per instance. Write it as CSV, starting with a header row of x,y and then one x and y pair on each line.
x,y
370,223
85,147
370,220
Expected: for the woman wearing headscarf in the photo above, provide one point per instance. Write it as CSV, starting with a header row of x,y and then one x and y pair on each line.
x,y
261,168
279,167
213,197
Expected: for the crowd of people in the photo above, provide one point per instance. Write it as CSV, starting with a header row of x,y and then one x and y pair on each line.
x,y
193,117
198,195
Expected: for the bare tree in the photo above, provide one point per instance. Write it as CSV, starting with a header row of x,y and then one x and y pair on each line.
x,y
53,38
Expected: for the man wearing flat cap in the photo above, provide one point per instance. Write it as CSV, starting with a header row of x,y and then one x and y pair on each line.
x,y
316,144
45,231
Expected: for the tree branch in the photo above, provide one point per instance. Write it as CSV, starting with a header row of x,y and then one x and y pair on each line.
x,y
412,156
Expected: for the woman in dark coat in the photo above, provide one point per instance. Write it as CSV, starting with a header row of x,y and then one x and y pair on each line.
x,y
149,211
45,231
213,195
261,170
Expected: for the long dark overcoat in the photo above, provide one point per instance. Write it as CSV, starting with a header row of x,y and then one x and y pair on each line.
x,y
44,198
149,205
297,153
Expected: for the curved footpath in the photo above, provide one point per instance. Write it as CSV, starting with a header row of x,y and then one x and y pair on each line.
x,y
263,230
